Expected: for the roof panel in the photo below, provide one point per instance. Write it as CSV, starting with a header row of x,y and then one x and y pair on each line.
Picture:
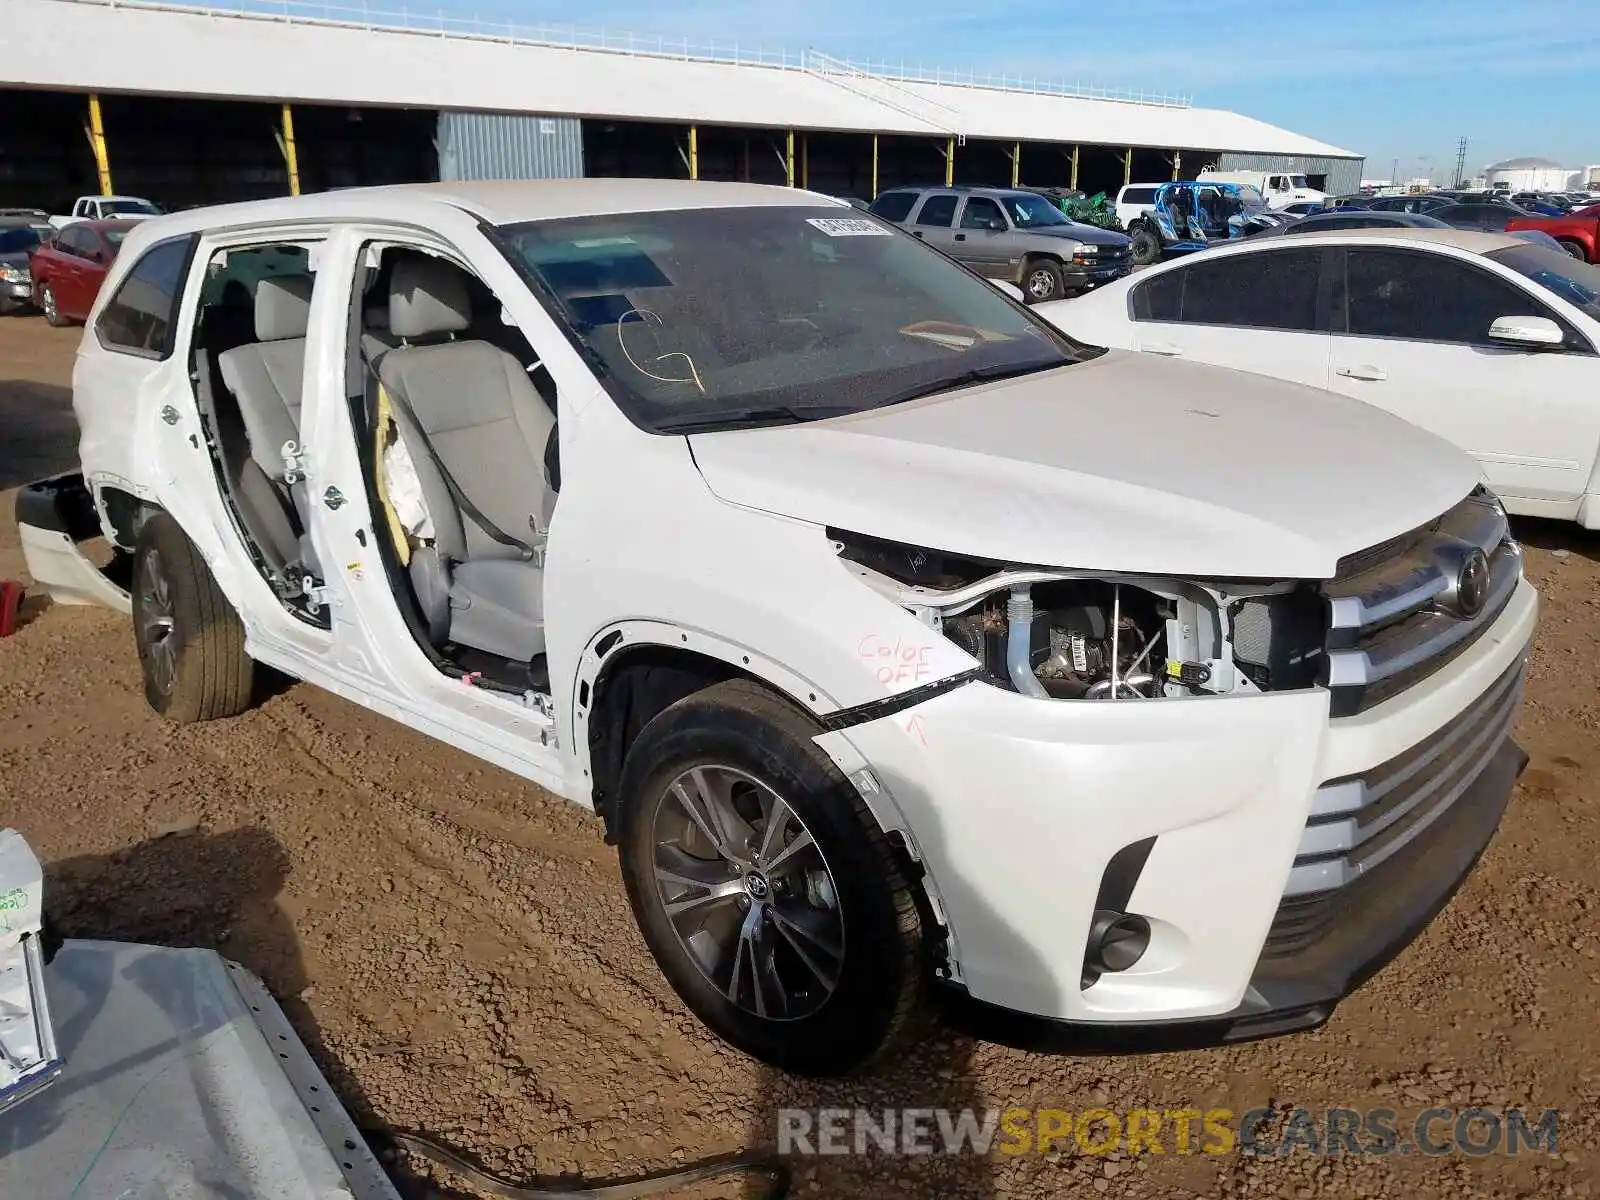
x,y
168,49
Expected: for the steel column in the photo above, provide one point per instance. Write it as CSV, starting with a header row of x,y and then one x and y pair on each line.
x,y
97,143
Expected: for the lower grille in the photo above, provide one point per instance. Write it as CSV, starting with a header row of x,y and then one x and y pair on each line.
x,y
1359,823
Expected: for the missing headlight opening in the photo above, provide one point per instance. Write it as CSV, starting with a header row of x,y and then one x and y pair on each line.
x,y
1078,635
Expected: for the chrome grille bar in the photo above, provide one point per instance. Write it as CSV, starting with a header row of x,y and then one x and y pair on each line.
x,y
1358,822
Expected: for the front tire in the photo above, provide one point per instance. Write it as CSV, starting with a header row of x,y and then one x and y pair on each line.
x,y
768,895
1144,246
190,641
1043,281
1575,249
48,305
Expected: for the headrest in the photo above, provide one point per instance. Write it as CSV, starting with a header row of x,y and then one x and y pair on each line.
x,y
427,296
283,307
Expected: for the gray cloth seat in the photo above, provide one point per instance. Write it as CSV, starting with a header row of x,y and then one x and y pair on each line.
x,y
483,425
267,378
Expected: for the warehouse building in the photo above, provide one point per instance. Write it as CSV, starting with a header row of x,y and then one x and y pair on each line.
x,y
190,105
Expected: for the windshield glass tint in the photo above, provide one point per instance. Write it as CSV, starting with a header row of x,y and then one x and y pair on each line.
x,y
1556,271
128,206
696,316
17,239
1029,212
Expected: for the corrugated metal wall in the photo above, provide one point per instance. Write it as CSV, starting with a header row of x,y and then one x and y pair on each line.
x,y
1344,174
474,145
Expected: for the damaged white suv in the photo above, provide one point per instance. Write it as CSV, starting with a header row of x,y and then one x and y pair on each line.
x,y
907,647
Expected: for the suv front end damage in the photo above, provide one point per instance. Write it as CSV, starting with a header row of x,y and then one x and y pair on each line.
x,y
1174,813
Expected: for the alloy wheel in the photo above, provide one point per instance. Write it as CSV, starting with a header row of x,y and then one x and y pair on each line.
x,y
157,628
748,892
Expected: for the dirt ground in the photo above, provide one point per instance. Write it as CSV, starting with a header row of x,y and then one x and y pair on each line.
x,y
456,948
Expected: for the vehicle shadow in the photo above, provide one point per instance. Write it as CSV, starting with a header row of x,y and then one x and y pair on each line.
x,y
192,888
41,431
937,1072
1557,536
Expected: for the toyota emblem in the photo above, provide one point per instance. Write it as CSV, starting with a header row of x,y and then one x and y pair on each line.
x,y
1472,586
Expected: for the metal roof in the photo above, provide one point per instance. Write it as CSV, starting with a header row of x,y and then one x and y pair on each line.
x,y
358,57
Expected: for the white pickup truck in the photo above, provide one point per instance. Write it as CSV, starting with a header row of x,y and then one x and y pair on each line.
x,y
106,208
1280,188
901,642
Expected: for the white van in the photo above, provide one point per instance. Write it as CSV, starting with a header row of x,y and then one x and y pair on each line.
x,y
1281,188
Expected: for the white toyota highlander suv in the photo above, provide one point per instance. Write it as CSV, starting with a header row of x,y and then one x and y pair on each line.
x,y
906,647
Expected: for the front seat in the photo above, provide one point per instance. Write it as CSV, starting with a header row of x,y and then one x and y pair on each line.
x,y
476,431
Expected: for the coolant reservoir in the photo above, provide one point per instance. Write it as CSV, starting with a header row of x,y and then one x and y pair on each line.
x,y
28,1058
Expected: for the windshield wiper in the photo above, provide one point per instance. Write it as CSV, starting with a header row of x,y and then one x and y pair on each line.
x,y
754,418
966,379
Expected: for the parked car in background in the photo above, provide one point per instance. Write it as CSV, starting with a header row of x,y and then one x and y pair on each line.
x,y
1302,208
1012,235
69,269
1480,337
17,243
1354,218
1482,216
107,208
1540,204
1134,200
1417,202
1578,231
1193,215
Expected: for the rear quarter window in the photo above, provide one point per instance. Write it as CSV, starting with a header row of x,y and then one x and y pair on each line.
x,y
141,317
894,206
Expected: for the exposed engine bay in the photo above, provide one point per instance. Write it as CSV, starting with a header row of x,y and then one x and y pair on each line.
x,y
1070,635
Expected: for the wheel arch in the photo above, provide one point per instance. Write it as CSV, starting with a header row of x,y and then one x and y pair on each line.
x,y
631,670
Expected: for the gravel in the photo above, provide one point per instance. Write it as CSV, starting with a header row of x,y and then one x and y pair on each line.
x,y
456,949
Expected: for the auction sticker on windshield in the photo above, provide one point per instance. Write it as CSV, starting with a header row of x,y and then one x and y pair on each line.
x,y
848,227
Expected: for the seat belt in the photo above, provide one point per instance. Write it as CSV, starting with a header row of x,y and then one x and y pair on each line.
x,y
475,514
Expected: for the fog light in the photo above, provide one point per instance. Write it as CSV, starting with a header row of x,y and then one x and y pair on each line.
x,y
1117,940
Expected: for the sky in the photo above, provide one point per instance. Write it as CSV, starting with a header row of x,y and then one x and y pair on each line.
x,y
1391,79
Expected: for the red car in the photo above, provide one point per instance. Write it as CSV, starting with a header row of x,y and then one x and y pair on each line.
x,y
1578,231
69,269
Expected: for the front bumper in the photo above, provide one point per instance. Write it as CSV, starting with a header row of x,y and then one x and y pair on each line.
x,y
1018,809
15,295
1380,918
1080,275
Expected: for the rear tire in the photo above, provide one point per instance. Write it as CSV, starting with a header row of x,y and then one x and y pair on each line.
x,y
190,641
782,904
1575,249
48,305
1043,281
1144,246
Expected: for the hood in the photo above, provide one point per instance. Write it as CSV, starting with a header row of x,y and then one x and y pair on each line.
x,y
1125,462
14,258
1076,232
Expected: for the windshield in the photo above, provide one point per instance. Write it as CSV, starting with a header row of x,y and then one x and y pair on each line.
x,y
17,239
1029,212
129,206
1297,181
1250,198
1578,283
113,237
755,315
